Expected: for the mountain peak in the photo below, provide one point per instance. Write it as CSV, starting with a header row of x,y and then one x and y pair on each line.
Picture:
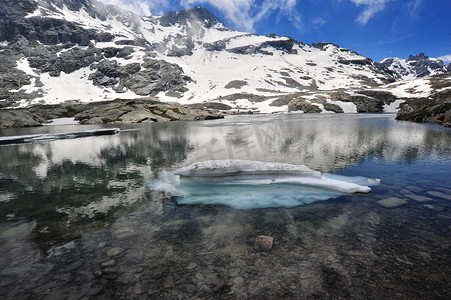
x,y
415,66
417,57
199,14
85,50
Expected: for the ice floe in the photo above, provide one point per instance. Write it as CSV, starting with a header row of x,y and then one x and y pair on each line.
x,y
21,139
244,184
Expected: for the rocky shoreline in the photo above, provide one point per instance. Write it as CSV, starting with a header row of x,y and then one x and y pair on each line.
x,y
117,111
436,109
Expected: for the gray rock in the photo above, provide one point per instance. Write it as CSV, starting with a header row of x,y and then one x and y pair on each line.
x,y
263,243
114,252
434,207
392,202
188,288
234,272
364,103
333,107
383,96
212,279
303,105
19,118
440,195
238,281
168,282
140,111
94,291
191,266
138,116
435,109
138,289
109,263
236,84
418,198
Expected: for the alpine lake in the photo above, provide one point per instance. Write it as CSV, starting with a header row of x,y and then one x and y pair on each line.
x,y
78,219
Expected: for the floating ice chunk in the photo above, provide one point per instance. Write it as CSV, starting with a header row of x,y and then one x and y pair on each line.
x,y
233,167
249,184
21,139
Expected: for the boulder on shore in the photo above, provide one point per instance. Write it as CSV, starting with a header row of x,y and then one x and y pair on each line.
x,y
306,106
436,109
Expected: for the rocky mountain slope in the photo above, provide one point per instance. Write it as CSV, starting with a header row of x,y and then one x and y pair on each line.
x,y
415,66
53,51
57,50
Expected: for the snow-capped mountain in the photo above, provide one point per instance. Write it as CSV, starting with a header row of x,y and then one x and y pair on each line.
x,y
57,50
415,66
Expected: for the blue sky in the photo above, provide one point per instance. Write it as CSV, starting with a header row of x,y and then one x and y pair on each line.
x,y
373,28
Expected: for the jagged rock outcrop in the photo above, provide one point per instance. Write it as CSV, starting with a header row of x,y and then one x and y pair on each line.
x,y
148,78
190,16
436,109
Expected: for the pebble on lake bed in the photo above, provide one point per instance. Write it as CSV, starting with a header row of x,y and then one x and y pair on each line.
x,y
114,251
392,202
263,243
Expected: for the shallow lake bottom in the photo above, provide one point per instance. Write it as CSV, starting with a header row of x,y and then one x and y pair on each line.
x,y
84,225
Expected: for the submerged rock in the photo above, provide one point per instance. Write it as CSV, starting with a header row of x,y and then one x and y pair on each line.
x,y
124,233
114,251
434,207
392,202
440,195
418,198
263,243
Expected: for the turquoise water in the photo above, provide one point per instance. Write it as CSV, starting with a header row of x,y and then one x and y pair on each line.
x,y
77,216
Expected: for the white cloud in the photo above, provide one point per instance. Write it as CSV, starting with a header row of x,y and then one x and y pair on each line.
x,y
141,7
318,21
413,7
445,58
239,14
371,7
245,14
